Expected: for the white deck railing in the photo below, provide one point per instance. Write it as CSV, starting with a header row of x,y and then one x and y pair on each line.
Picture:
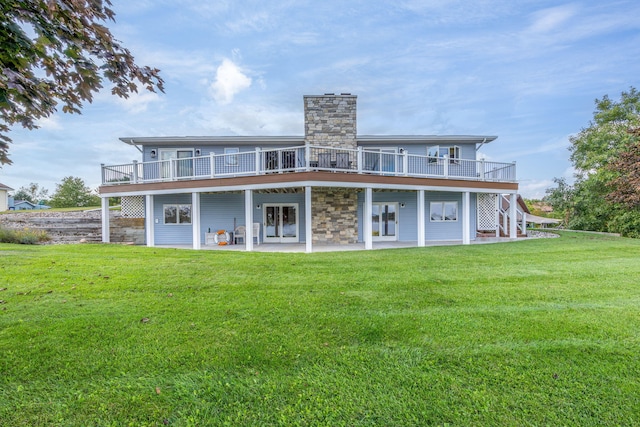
x,y
307,158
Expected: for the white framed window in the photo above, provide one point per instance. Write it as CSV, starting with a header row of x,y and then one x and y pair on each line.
x,y
231,156
436,154
177,214
443,211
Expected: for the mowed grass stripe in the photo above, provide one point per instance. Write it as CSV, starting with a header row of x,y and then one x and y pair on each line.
x,y
537,332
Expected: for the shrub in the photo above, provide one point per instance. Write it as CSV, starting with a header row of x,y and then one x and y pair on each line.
x,y
24,236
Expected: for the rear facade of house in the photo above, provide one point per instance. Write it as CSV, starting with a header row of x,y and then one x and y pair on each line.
x,y
328,187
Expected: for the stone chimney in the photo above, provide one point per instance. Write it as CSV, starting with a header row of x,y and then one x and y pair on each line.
x,y
330,120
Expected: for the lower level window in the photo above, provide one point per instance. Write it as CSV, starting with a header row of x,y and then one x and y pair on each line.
x,y
177,214
444,211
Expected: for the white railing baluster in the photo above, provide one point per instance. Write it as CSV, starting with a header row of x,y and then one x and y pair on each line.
x,y
307,158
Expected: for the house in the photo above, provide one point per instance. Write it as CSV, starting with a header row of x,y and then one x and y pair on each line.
x,y
4,197
330,186
25,205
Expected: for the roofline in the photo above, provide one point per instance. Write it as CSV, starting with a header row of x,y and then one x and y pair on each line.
x,y
248,140
420,139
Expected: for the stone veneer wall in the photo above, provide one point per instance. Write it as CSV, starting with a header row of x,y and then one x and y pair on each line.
x,y
330,120
335,215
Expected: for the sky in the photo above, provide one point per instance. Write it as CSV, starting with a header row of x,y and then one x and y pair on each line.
x,y
526,71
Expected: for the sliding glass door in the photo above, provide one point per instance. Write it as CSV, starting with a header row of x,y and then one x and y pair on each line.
x,y
384,221
281,223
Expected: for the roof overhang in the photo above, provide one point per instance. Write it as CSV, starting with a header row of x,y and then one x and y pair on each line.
x,y
190,141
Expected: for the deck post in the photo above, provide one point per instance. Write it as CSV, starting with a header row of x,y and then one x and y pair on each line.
x,y
368,228
105,220
421,219
149,221
513,216
135,171
466,218
308,220
195,220
258,162
248,219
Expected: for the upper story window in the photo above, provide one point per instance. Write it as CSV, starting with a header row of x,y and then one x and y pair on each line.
x,y
437,153
231,156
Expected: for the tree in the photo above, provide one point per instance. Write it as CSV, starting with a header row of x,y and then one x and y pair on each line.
x,y
72,192
610,132
58,51
625,188
33,193
603,156
560,198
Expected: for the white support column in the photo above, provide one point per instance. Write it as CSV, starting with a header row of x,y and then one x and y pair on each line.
x,y
513,216
308,220
421,219
105,220
149,221
368,227
248,219
466,218
195,220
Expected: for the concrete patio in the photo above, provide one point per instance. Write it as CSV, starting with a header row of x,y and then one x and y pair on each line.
x,y
300,247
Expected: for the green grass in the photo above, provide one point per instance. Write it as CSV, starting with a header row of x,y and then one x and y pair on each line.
x,y
540,332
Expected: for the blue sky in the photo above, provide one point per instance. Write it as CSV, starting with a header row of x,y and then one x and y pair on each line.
x,y
527,71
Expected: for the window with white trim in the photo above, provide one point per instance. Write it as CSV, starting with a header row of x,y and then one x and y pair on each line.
x,y
443,211
437,153
177,214
231,156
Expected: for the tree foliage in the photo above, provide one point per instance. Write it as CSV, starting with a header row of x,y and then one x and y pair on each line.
x,y
59,51
609,133
606,156
32,193
625,188
73,192
560,198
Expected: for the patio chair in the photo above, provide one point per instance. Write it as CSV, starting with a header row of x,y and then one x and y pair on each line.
x,y
324,160
240,233
342,160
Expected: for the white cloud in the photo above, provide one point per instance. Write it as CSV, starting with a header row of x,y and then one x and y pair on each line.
x,y
49,123
551,19
138,102
250,119
230,80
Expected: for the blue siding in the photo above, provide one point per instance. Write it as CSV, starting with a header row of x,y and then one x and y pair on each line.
x,y
218,211
171,234
408,215
443,230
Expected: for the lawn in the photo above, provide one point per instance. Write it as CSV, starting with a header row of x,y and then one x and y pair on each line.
x,y
538,332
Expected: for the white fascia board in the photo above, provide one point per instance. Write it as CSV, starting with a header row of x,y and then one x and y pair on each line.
x,y
375,186
179,141
422,139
